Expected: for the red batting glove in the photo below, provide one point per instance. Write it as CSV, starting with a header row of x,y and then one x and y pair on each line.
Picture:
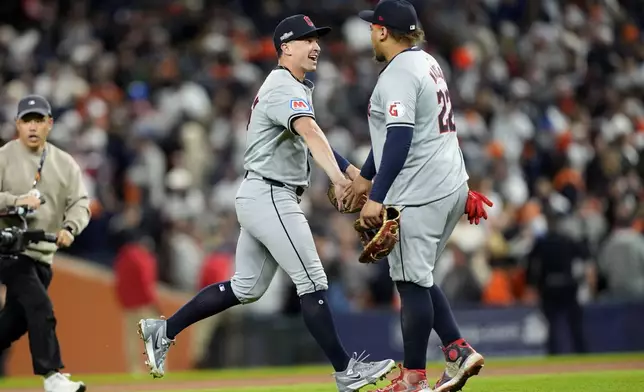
x,y
474,208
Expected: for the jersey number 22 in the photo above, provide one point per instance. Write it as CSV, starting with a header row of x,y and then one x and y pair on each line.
x,y
446,116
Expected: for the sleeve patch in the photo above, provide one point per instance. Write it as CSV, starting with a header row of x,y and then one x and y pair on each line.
x,y
300,105
396,109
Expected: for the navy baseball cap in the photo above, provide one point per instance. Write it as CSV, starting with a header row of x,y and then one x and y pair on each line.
x,y
399,15
33,104
297,27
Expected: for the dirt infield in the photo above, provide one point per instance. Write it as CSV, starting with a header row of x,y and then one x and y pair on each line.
x,y
490,370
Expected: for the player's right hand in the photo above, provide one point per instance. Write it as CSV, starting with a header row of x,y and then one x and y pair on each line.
x,y
341,187
29,200
359,186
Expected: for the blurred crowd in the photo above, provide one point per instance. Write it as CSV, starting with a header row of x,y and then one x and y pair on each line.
x,y
152,99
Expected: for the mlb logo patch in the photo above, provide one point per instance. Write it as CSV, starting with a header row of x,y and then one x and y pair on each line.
x,y
300,105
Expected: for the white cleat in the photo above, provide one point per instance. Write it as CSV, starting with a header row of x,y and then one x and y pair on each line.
x,y
59,382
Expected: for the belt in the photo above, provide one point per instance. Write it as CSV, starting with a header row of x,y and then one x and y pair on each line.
x,y
299,190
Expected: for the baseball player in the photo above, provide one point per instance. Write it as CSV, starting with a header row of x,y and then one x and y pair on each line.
x,y
421,171
282,136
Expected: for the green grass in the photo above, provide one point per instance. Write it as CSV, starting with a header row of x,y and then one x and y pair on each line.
x,y
622,381
292,388
591,382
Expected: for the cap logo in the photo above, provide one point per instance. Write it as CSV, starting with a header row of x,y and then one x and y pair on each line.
x,y
412,27
308,21
380,18
32,102
286,36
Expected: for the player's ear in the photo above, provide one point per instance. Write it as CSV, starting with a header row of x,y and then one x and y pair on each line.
x,y
383,33
286,49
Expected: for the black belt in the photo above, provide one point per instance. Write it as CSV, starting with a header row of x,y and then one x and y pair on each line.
x,y
298,190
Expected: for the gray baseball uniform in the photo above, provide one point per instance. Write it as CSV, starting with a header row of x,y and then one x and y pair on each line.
x,y
274,230
431,189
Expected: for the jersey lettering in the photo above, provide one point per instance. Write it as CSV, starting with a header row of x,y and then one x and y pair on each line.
x,y
446,116
436,73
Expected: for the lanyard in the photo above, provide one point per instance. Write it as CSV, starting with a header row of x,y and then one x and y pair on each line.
x,y
39,170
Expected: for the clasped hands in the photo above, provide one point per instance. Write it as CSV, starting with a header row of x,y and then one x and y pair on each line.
x,y
352,190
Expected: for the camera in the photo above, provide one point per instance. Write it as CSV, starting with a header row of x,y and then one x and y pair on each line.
x,y
14,239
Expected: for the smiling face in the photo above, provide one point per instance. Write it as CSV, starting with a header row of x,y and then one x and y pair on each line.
x,y
304,53
33,129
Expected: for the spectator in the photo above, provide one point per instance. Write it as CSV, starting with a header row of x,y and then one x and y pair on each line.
x,y
621,261
217,267
463,285
552,271
135,270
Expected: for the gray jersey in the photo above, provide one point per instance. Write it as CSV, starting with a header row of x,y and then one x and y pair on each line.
x,y
412,92
273,149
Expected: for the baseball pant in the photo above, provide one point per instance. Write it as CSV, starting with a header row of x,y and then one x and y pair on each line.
x,y
424,231
28,308
274,232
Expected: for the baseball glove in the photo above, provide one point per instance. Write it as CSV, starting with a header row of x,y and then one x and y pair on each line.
x,y
379,242
345,209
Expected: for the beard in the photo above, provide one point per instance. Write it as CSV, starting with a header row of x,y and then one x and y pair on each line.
x,y
379,57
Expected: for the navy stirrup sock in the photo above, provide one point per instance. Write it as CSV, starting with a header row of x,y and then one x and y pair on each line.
x,y
444,323
209,301
417,319
319,321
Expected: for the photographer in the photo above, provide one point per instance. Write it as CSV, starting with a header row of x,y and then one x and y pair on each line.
x,y
41,177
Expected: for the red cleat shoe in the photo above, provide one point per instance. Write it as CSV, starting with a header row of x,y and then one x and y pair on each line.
x,y
463,362
408,381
